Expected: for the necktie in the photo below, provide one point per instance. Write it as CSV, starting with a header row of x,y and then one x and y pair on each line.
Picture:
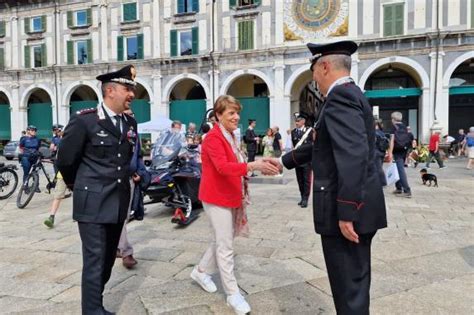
x,y
118,123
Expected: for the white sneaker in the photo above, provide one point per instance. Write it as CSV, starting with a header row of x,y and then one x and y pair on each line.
x,y
238,303
204,280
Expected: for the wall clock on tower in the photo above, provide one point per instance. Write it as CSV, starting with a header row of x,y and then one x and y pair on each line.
x,y
313,19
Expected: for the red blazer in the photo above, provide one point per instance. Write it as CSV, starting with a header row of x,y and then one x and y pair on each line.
x,y
221,179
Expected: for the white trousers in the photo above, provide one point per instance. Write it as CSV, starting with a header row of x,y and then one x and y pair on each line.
x,y
220,253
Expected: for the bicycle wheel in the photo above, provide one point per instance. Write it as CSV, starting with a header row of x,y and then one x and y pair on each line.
x,y
27,190
8,182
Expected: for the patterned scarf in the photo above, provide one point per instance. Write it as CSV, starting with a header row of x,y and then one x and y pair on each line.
x,y
241,227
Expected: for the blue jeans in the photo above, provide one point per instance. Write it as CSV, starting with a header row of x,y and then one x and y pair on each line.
x,y
26,163
402,183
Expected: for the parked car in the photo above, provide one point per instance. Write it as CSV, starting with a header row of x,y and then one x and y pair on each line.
x,y
12,150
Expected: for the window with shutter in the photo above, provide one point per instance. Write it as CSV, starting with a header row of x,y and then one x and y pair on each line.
x,y
70,52
81,52
43,23
90,58
246,36
70,19
130,12
27,57
243,3
140,46
187,6
44,56
2,28
393,19
195,39
89,16
2,59
173,43
27,25
185,43
37,57
132,47
120,48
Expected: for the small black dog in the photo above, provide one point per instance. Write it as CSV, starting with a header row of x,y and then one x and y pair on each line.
x,y
427,177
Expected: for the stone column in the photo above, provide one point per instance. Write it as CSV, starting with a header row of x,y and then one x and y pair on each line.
x,y
18,114
16,52
104,32
213,89
156,33
280,111
156,107
441,110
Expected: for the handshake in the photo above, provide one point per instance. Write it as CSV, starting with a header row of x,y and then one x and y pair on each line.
x,y
267,166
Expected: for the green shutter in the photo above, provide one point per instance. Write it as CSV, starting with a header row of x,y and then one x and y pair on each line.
x,y
195,5
2,59
195,36
70,19
257,2
2,28
43,23
173,43
120,48
70,52
89,16
90,58
388,20
130,12
27,25
472,13
139,46
232,3
398,27
250,29
27,57
44,56
241,35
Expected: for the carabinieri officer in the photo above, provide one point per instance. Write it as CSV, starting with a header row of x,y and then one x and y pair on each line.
x,y
348,201
94,158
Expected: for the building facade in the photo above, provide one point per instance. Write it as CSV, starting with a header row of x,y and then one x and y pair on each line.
x,y
415,56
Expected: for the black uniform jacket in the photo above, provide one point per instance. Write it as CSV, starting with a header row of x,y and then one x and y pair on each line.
x,y
94,158
250,140
346,183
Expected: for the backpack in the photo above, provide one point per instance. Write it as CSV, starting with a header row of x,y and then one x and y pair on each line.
x,y
470,142
381,142
402,139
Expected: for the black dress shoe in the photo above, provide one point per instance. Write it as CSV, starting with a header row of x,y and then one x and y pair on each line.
x,y
304,204
299,203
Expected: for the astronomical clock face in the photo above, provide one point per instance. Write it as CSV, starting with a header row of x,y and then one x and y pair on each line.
x,y
311,19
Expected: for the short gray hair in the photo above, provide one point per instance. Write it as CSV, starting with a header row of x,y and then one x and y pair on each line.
x,y
397,116
105,85
340,62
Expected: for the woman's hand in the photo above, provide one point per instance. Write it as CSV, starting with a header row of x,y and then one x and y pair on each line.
x,y
265,167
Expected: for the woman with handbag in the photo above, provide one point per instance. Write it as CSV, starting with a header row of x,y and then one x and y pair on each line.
x,y
224,194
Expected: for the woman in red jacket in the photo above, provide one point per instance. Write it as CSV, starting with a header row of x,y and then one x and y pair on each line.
x,y
223,192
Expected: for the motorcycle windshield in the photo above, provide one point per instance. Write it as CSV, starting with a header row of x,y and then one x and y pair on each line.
x,y
166,148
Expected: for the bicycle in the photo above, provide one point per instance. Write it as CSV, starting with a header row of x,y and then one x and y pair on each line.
x,y
31,184
8,180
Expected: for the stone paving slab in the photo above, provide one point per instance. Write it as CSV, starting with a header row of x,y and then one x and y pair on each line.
x,y
423,263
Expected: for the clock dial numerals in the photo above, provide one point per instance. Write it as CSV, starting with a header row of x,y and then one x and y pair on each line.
x,y
310,19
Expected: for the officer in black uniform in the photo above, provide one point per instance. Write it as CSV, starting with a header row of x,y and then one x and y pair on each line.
x,y
251,140
348,201
303,172
94,158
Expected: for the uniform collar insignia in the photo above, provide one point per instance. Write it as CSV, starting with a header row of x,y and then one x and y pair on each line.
x,y
100,112
102,134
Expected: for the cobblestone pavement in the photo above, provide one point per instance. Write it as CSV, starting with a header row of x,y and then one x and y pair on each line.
x,y
423,263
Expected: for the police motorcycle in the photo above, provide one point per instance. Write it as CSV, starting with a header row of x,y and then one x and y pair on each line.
x,y
175,176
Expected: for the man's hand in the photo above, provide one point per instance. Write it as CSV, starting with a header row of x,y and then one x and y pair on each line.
x,y
136,178
347,229
274,161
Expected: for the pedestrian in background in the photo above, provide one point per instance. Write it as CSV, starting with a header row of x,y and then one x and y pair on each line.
x,y
469,143
400,141
381,146
224,194
277,142
434,150
29,150
300,136
251,140
267,143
